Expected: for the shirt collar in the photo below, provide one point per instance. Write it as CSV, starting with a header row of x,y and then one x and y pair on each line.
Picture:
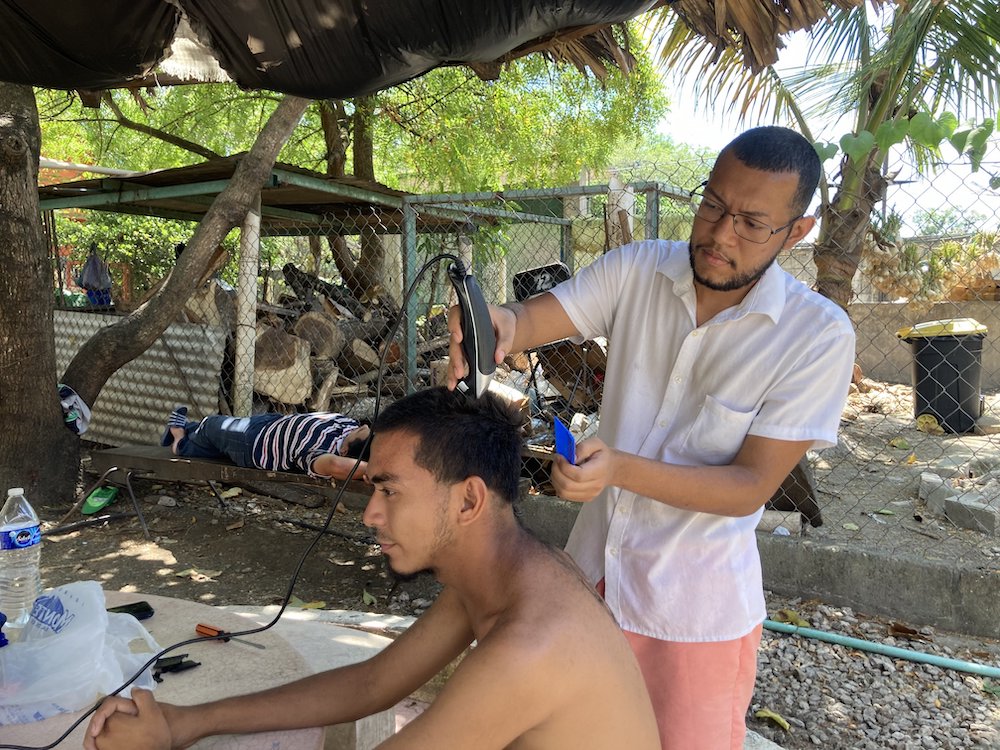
x,y
767,297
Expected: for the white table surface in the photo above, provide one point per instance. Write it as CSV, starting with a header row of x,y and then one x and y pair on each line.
x,y
229,668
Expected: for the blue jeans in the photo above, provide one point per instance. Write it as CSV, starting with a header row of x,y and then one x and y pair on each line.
x,y
224,437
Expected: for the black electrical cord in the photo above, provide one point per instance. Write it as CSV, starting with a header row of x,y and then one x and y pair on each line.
x,y
304,556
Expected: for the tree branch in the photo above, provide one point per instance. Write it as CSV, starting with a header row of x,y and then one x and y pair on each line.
x,y
173,140
116,345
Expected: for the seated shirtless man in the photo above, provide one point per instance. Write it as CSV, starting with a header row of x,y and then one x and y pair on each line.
x,y
320,444
550,667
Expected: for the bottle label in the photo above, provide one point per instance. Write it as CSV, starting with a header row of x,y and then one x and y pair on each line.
x,y
20,538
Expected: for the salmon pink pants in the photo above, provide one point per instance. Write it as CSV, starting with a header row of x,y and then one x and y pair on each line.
x,y
700,691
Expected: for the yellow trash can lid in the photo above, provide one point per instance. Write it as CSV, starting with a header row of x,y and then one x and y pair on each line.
x,y
950,327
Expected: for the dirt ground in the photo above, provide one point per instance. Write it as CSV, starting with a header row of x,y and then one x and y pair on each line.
x,y
868,485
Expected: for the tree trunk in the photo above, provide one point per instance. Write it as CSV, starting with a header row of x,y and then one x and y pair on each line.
x,y
117,345
37,451
333,119
372,261
843,225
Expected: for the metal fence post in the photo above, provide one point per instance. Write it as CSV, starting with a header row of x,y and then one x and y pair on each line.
x,y
410,310
246,312
652,214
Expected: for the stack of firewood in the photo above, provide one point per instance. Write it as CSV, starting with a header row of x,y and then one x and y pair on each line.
x,y
321,348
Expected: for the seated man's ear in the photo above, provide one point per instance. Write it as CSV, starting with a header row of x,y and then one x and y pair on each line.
x,y
475,498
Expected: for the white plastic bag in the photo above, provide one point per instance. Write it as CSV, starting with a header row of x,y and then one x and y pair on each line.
x,y
71,652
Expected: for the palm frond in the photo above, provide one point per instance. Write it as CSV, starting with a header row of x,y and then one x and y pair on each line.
x,y
751,27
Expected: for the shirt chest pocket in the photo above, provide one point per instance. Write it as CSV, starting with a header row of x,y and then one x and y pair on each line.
x,y
717,433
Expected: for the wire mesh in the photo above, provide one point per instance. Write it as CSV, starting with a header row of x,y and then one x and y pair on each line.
x,y
917,469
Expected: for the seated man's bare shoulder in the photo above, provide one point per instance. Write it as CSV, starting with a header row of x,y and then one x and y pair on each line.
x,y
552,671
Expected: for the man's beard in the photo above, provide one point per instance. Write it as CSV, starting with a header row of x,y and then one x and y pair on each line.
x,y
740,281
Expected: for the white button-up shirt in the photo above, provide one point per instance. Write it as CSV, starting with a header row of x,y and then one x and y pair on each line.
x,y
777,365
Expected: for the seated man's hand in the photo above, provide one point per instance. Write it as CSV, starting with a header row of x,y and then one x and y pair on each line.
x,y
137,724
111,705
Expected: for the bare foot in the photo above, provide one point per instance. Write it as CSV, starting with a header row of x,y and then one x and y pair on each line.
x,y
176,433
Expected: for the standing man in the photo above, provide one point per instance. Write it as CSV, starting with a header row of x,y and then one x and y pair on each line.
x,y
549,669
722,371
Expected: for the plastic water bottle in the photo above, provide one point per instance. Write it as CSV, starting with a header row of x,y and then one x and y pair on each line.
x,y
20,553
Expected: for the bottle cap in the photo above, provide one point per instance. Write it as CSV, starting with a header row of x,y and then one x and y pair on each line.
x,y
15,491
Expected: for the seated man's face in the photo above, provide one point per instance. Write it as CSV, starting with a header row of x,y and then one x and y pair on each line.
x,y
409,509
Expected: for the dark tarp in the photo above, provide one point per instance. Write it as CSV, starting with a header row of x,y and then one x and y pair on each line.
x,y
313,48
82,44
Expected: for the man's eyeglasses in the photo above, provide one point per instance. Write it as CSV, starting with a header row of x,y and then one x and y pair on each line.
x,y
745,226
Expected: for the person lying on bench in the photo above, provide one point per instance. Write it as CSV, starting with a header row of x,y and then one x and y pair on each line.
x,y
550,668
320,444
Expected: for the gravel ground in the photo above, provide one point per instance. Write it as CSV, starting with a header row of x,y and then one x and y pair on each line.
x,y
836,697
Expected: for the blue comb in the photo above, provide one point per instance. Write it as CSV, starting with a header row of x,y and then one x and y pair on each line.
x,y
565,443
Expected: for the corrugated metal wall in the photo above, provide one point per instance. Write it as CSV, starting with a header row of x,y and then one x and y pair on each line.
x,y
182,366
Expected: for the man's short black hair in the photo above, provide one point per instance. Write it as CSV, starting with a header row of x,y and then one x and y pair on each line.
x,y
774,149
460,437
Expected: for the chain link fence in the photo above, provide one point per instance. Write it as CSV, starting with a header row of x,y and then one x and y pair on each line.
x,y
306,322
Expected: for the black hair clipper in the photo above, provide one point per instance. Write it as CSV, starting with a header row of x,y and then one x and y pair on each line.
x,y
479,342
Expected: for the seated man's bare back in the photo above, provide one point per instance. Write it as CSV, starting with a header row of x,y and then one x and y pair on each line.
x,y
557,659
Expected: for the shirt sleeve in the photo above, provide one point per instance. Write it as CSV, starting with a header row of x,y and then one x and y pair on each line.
x,y
591,296
807,403
329,440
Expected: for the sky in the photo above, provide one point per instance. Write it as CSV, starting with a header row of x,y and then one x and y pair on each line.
x,y
688,122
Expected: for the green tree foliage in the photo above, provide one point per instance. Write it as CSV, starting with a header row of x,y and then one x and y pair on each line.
x,y
945,221
145,244
153,128
539,124
447,130
661,156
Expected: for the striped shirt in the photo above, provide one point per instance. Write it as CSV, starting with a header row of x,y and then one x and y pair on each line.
x,y
294,442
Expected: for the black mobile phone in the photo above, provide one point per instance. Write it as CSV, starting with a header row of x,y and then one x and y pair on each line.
x,y
139,610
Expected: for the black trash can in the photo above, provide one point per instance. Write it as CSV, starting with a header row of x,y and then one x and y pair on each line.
x,y
947,371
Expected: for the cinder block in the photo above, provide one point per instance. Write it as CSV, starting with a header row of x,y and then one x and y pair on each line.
x,y
969,511
935,492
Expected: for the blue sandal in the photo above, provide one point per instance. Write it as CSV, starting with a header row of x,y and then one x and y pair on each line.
x,y
178,418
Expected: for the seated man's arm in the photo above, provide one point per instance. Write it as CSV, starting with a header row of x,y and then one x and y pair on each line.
x,y
331,697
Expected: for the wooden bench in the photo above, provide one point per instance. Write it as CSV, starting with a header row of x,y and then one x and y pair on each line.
x,y
122,463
